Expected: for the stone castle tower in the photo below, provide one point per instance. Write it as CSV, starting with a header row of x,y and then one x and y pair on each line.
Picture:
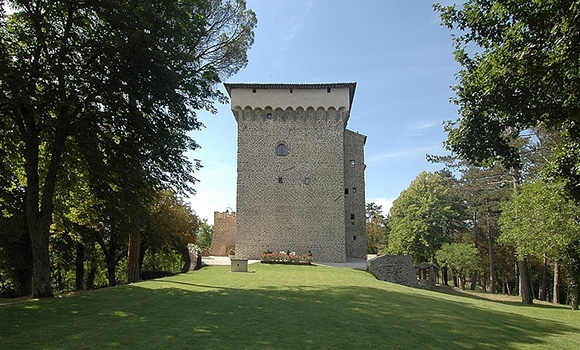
x,y
300,183
224,233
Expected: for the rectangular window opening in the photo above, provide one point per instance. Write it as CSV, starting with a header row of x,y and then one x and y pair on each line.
x,y
291,91
306,180
280,180
269,115
346,191
354,238
253,91
328,90
354,190
352,216
352,163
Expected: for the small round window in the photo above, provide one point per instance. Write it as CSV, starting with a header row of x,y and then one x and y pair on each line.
x,y
281,150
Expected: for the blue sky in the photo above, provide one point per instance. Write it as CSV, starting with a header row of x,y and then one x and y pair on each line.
x,y
396,51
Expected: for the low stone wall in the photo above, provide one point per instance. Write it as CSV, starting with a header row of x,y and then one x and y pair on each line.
x,y
394,268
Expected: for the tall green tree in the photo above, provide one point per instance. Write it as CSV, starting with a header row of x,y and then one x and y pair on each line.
x,y
424,216
482,189
117,82
204,234
376,228
170,224
461,258
540,221
15,246
519,70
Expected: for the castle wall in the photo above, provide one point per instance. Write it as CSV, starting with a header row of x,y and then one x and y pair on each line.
x,y
354,193
224,233
293,202
294,156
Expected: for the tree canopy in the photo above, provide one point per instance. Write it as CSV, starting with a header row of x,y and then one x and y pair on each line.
x,y
461,258
423,217
520,70
113,87
376,228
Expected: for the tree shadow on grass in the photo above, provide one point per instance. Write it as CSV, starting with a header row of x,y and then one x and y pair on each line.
x,y
188,315
490,297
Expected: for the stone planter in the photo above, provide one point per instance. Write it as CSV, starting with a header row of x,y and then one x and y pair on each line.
x,y
239,265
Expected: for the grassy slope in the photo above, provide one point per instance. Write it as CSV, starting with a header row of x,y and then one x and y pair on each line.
x,y
282,307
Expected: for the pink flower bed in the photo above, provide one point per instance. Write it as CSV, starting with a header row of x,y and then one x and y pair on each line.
x,y
285,258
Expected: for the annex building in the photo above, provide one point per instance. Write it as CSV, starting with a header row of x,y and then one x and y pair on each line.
x,y
300,171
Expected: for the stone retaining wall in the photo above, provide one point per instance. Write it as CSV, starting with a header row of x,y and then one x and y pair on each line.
x,y
394,268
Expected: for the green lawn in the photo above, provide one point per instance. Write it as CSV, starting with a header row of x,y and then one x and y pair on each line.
x,y
282,307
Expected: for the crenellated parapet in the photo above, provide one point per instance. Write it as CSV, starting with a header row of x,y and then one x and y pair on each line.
x,y
285,98
272,115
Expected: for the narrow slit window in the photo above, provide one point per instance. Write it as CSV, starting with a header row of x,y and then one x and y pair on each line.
x,y
346,191
281,150
352,163
328,90
280,180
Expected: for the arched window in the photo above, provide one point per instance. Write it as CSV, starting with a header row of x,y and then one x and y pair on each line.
x,y
281,150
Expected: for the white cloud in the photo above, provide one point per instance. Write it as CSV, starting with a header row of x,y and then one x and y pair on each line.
x,y
422,125
406,152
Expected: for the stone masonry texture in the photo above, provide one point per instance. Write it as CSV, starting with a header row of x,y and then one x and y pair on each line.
x,y
394,268
224,233
310,198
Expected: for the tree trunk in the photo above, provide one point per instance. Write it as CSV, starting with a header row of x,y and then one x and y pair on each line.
x,y
573,273
544,284
491,256
91,277
134,252
526,291
110,259
556,296
39,210
143,250
39,234
473,281
111,273
23,273
80,267
41,286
